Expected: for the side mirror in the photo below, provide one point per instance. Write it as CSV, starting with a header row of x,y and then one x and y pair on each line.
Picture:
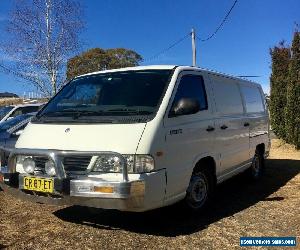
x,y
185,106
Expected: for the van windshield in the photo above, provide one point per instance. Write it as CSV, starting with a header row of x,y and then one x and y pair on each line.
x,y
113,97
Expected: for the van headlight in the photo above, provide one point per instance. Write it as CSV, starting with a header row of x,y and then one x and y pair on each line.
x,y
113,164
108,164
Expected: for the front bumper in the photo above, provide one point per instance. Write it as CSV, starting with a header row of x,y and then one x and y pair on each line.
x,y
126,196
123,191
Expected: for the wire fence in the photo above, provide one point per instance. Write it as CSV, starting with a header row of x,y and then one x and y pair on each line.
x,y
32,95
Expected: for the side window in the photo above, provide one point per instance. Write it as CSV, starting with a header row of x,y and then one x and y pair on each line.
x,y
18,111
191,86
253,99
24,110
30,109
227,96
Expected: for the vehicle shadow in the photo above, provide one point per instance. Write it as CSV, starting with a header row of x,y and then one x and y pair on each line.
x,y
231,197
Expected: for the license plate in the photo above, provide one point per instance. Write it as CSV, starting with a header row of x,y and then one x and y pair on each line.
x,y
44,185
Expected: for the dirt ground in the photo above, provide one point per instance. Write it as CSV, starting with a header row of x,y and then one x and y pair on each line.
x,y
270,207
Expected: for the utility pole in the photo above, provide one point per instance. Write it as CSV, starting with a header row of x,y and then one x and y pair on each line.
x,y
193,47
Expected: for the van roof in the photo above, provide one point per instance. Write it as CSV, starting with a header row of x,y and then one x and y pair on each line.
x,y
131,68
180,67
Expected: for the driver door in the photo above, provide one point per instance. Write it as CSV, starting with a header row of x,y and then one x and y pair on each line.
x,y
188,137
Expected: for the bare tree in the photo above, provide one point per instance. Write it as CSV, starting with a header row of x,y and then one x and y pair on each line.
x,y
43,34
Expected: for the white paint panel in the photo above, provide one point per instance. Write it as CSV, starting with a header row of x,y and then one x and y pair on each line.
x,y
121,138
232,137
190,142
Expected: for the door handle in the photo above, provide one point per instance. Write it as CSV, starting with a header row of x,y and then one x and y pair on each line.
x,y
224,127
246,124
210,128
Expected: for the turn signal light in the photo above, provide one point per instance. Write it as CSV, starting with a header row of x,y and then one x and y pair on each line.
x,y
108,190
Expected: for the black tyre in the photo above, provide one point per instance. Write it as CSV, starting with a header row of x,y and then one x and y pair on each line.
x,y
256,170
200,190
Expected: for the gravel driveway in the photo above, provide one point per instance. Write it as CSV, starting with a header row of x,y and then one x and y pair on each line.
x,y
270,207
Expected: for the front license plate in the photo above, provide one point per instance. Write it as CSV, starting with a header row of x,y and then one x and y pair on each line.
x,y
44,185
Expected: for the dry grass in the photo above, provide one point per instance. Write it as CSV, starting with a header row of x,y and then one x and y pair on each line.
x,y
270,207
16,101
282,150
10,101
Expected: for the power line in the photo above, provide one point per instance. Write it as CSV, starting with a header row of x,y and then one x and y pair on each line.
x,y
220,26
155,56
246,76
167,49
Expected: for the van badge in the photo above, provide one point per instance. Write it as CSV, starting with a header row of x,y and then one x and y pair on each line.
x,y
176,131
67,130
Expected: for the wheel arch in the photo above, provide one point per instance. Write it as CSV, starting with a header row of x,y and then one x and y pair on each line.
x,y
261,148
207,163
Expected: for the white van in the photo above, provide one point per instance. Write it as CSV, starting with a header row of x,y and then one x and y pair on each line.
x,y
140,138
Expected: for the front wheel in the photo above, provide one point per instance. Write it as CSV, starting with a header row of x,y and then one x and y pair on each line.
x,y
199,191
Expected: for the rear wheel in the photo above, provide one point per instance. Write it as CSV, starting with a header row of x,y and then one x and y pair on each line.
x,y
257,166
199,192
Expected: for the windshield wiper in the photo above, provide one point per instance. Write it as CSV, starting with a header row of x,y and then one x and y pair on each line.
x,y
80,113
135,111
75,114
57,113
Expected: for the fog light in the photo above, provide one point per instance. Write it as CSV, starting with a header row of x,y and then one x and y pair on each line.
x,y
50,168
29,165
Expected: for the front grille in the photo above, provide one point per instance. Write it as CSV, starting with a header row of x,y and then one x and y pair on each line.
x,y
71,164
39,165
76,163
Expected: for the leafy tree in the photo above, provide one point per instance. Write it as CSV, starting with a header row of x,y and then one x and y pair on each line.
x,y
279,80
97,59
293,94
42,35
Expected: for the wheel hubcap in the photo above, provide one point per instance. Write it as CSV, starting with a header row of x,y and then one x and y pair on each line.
x,y
198,190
